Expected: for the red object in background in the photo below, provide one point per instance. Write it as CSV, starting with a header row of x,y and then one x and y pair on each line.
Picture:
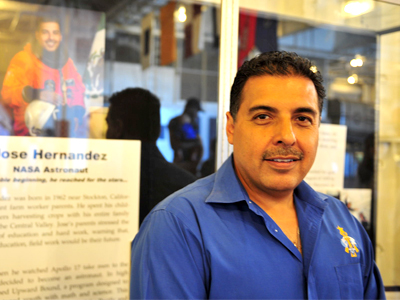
x,y
167,38
247,35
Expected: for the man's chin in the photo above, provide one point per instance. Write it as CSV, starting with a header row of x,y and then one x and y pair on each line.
x,y
51,48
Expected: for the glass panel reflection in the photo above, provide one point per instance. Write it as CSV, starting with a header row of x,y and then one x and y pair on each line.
x,y
347,61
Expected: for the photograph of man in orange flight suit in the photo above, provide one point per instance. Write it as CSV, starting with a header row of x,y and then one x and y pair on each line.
x,y
44,73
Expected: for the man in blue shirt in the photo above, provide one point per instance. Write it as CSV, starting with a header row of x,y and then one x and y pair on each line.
x,y
255,229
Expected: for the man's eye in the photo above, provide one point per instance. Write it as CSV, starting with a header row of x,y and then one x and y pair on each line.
x,y
262,117
304,119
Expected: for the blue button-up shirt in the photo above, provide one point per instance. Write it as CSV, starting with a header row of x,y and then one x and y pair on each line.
x,y
210,241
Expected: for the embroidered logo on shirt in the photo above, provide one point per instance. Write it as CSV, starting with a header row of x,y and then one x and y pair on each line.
x,y
349,244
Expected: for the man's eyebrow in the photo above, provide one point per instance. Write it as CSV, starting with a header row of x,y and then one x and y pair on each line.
x,y
306,110
263,107
274,110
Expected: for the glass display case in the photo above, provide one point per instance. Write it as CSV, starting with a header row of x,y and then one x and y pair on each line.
x,y
186,53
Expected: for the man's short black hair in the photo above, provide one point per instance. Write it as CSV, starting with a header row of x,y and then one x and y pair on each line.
x,y
275,63
139,110
47,19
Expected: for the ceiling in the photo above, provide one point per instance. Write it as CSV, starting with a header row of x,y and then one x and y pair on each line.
x,y
127,12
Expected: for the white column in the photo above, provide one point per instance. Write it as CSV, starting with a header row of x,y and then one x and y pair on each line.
x,y
227,71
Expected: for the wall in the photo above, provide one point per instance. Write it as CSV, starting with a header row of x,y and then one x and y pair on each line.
x,y
388,200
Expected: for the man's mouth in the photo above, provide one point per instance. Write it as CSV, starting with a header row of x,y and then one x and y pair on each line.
x,y
283,160
283,155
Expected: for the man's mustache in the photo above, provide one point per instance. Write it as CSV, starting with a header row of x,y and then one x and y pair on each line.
x,y
268,154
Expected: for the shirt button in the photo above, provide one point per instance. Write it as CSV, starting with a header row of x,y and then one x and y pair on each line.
x,y
276,230
249,202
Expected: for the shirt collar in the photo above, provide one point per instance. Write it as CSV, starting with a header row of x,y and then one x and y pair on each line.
x,y
307,194
228,188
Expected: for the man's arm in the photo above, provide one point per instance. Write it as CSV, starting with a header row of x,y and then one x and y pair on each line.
x,y
29,94
167,260
17,77
373,285
374,288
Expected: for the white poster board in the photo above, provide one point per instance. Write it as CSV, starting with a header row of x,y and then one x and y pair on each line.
x,y
69,209
358,201
328,169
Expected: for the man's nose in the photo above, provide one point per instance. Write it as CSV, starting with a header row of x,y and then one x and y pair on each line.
x,y
284,134
51,36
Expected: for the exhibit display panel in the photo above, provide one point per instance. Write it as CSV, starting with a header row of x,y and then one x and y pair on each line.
x,y
66,205
70,191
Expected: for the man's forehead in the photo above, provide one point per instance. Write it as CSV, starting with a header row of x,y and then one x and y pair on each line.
x,y
266,84
260,92
49,25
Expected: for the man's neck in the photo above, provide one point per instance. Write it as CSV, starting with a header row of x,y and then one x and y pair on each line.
x,y
55,59
281,208
279,201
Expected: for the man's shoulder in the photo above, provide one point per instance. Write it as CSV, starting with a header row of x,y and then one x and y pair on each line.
x,y
153,164
156,160
177,174
175,122
331,206
23,58
198,201
188,201
193,194
337,210
332,201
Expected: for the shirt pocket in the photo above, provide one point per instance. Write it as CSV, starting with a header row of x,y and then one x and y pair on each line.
x,y
350,281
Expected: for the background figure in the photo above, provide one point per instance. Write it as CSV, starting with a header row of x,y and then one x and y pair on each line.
x,y
42,80
184,137
208,167
134,114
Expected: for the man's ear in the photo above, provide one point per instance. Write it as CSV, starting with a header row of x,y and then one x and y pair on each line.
x,y
230,127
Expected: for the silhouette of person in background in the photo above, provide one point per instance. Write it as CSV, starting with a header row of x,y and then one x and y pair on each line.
x,y
184,137
208,166
134,114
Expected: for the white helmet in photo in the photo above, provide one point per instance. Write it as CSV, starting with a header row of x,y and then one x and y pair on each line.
x,y
37,114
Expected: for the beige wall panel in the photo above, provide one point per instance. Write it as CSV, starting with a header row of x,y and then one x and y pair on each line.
x,y
388,197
